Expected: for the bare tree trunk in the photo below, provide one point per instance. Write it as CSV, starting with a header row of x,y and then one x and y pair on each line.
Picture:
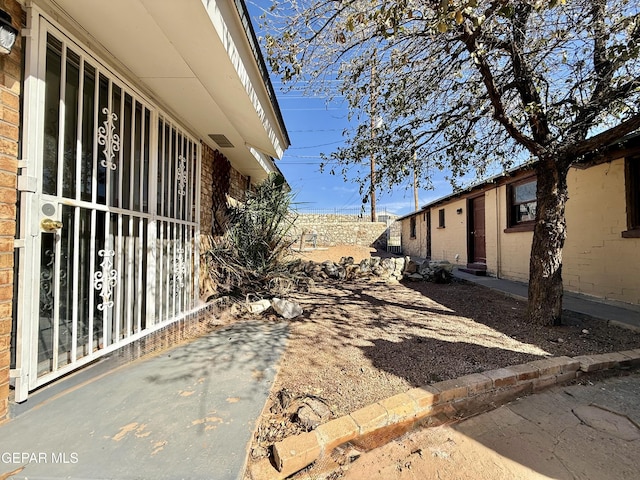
x,y
545,267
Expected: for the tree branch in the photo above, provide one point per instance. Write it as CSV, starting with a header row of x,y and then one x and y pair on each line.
x,y
524,76
495,97
607,137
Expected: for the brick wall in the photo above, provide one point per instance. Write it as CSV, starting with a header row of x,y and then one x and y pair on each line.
x,y
10,87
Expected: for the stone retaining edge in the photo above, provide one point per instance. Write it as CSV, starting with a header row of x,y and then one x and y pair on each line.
x,y
394,416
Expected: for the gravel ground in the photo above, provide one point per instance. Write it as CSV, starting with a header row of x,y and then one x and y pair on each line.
x,y
359,342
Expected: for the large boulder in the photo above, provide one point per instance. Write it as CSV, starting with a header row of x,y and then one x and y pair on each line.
x,y
445,264
436,271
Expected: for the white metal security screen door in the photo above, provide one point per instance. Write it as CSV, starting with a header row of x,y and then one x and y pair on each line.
x,y
114,216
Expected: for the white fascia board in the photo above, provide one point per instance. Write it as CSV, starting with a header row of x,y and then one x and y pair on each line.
x,y
224,17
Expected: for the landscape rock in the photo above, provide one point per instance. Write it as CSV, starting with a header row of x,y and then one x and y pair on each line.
x,y
400,264
286,309
424,268
414,277
346,261
441,275
312,413
444,264
390,268
259,306
259,452
364,268
352,271
333,270
412,267
388,264
438,272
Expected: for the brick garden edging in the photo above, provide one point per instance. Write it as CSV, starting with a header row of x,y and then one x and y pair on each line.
x,y
392,417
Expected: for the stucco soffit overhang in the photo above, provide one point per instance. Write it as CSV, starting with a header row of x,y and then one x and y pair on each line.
x,y
193,57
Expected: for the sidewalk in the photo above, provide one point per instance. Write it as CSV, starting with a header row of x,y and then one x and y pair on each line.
x,y
188,412
623,315
586,431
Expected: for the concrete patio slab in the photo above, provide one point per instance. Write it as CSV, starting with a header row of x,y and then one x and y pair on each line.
x,y
188,412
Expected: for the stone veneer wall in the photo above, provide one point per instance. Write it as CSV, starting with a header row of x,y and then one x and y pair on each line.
x,y
239,185
222,185
236,189
335,229
206,190
10,90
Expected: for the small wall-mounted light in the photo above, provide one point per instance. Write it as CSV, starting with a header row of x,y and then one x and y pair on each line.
x,y
8,33
459,211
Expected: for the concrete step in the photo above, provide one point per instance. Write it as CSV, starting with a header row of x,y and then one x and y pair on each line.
x,y
475,268
479,272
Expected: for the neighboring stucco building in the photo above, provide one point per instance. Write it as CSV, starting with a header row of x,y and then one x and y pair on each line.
x,y
123,123
488,228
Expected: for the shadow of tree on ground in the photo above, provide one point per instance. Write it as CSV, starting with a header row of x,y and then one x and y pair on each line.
x,y
359,342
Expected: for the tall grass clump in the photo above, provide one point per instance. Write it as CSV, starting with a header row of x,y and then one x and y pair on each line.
x,y
250,258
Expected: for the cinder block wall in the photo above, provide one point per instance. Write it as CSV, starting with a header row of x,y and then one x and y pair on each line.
x,y
597,260
415,246
10,89
451,240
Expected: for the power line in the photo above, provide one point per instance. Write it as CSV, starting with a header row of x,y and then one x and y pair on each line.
x,y
309,109
315,146
317,130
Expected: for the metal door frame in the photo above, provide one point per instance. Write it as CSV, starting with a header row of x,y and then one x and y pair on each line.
x,y
30,190
471,226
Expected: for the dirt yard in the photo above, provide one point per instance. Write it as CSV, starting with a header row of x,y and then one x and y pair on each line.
x,y
359,342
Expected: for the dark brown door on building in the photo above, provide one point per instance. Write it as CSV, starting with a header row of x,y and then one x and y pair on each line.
x,y
428,218
477,226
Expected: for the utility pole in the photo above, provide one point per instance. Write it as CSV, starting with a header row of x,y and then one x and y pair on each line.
x,y
372,113
415,179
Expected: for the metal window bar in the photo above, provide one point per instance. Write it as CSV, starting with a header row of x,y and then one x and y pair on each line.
x,y
59,181
76,212
117,295
138,264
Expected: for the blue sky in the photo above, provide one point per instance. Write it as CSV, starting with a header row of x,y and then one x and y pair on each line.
x,y
316,126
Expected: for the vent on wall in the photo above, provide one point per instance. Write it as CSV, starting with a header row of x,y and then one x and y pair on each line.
x,y
221,140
